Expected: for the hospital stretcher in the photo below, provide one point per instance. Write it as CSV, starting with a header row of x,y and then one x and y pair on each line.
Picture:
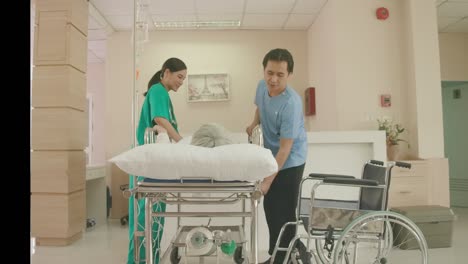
x,y
200,241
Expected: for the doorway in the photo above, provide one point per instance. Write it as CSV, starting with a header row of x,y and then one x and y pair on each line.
x,y
455,111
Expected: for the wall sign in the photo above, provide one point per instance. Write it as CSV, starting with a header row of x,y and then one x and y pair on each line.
x,y
385,100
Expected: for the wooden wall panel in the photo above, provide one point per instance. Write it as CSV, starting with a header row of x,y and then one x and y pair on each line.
x,y
57,217
59,129
57,171
59,86
59,43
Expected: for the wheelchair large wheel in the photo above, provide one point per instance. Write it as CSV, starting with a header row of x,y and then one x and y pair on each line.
x,y
381,237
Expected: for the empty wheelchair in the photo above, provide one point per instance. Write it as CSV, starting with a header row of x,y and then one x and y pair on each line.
x,y
354,231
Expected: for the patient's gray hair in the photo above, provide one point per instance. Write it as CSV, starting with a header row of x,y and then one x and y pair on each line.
x,y
211,135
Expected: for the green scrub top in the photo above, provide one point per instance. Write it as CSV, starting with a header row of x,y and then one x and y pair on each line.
x,y
157,104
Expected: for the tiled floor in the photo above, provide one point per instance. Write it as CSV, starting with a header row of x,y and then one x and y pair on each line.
x,y
108,244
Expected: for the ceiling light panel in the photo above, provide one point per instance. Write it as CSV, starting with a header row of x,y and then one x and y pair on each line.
x,y
269,6
308,6
219,17
219,6
174,7
264,21
197,24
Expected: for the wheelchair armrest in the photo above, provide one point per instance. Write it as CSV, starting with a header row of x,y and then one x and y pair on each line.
x,y
321,176
340,180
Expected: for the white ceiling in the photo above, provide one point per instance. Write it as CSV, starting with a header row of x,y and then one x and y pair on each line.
x,y
107,16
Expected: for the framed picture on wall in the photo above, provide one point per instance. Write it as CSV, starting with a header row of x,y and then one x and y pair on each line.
x,y
208,87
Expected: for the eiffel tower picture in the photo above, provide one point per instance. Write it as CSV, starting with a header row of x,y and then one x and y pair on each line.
x,y
208,87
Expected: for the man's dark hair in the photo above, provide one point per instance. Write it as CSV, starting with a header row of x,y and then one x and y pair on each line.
x,y
279,55
173,64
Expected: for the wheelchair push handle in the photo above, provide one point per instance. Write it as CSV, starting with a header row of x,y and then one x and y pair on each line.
x,y
403,164
321,176
376,162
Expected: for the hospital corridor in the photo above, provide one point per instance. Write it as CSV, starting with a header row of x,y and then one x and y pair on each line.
x,y
248,131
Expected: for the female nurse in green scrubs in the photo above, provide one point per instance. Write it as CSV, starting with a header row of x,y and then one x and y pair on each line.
x,y
156,110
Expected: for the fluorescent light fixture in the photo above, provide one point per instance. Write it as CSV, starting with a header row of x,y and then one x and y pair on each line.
x,y
197,24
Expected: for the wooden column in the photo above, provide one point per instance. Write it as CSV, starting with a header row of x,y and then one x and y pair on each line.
x,y
59,122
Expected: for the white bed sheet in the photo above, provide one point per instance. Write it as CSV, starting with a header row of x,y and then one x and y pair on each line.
x,y
244,162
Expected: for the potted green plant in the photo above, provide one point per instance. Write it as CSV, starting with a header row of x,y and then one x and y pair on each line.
x,y
393,133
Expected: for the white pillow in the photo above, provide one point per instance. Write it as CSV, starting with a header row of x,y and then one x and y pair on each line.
x,y
244,162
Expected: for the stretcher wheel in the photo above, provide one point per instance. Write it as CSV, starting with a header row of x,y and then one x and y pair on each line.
x,y
124,220
238,259
175,258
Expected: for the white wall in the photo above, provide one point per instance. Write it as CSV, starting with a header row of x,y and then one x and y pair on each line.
x,y
453,56
238,53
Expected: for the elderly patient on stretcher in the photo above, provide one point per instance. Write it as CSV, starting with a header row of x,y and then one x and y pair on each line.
x,y
208,135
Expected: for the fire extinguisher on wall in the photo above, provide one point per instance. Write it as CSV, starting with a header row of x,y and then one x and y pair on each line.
x,y
310,101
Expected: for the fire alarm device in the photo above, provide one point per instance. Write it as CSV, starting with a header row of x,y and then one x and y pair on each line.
x,y
385,100
310,101
382,13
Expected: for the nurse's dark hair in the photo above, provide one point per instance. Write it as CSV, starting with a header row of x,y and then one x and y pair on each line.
x,y
173,64
279,55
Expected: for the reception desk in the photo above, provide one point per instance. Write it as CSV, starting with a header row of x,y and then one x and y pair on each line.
x,y
342,152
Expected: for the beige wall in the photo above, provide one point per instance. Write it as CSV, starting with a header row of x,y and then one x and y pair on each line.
x,y
454,56
238,53
424,61
322,60
369,59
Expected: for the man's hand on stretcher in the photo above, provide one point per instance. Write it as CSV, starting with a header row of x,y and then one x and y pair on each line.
x,y
266,184
159,129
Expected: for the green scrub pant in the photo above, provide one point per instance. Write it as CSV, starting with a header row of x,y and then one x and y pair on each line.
x,y
157,230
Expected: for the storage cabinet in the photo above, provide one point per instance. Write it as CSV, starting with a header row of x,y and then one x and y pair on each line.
x,y
426,183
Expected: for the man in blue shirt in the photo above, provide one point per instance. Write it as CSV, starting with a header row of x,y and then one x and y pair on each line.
x,y
279,112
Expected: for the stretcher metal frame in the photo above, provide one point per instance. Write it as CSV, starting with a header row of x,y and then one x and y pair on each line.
x,y
175,193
